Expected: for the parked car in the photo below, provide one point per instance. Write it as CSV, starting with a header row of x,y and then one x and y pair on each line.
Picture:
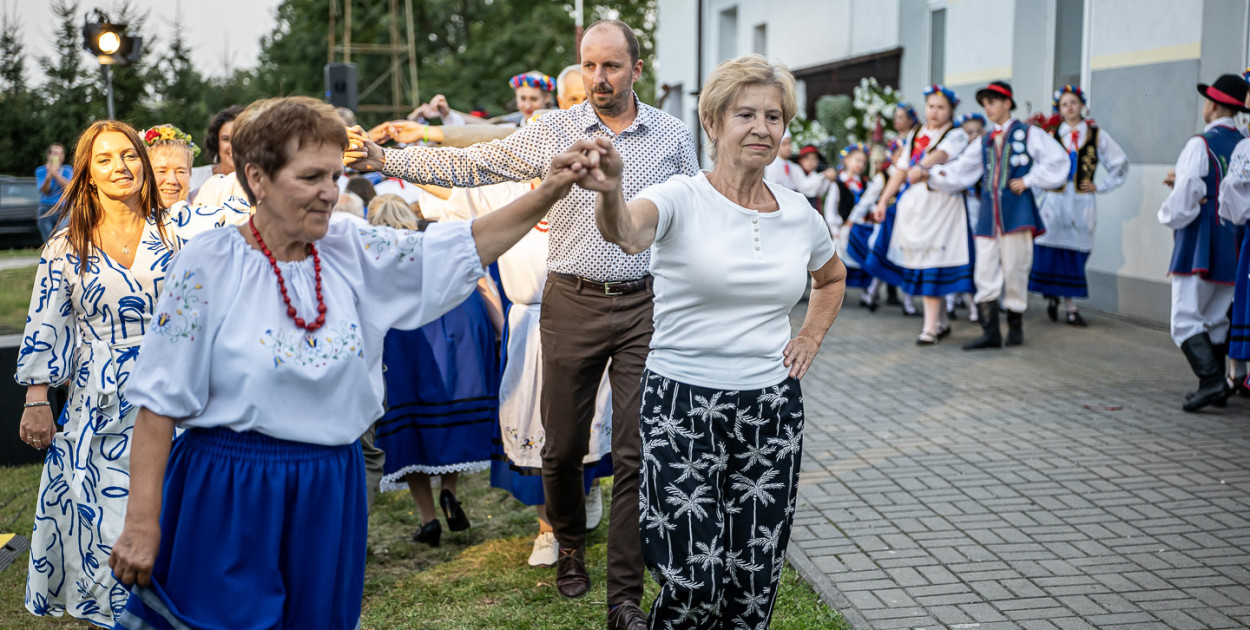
x,y
19,212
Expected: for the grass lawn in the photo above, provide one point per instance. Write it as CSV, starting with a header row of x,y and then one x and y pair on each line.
x,y
476,580
15,286
25,252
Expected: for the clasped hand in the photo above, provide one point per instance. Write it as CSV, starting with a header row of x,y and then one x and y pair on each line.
x,y
592,164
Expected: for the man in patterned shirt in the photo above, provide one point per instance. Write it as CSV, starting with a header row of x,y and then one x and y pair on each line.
x,y
597,302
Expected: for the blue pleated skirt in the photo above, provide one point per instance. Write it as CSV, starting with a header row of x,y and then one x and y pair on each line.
x,y
256,532
857,249
442,395
1239,334
1058,272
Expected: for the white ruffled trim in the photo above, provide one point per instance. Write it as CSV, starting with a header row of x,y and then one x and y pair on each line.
x,y
395,481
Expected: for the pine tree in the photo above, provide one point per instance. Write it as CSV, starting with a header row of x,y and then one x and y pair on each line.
x,y
179,89
72,101
19,148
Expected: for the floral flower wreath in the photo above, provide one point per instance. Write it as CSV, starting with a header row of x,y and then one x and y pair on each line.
x,y
911,111
533,79
963,118
851,148
169,133
1067,89
950,95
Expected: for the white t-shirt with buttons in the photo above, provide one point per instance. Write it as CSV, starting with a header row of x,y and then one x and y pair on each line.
x,y
726,278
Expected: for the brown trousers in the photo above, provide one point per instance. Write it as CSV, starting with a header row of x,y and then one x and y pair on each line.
x,y
581,330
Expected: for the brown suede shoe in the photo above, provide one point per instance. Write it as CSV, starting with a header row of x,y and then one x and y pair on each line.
x,y
627,616
571,577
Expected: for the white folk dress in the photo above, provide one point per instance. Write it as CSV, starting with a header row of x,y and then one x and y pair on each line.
x,y
1070,215
84,329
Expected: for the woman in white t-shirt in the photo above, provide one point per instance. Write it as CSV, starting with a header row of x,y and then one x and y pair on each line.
x,y
722,412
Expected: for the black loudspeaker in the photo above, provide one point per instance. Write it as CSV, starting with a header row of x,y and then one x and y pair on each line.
x,y
341,85
13,451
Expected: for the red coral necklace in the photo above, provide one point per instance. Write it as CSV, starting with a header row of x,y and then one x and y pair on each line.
x,y
290,310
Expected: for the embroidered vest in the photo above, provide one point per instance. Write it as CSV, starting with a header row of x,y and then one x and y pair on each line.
x,y
1207,247
1084,159
848,195
1001,209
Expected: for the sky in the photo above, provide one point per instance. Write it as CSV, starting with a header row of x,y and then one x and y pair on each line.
x,y
220,33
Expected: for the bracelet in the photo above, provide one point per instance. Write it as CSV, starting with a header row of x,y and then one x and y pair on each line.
x,y
42,403
425,137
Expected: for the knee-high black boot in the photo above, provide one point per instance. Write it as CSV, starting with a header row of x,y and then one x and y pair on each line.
x,y
1015,328
991,336
1206,364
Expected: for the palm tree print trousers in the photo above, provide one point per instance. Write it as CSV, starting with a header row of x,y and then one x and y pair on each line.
x,y
720,472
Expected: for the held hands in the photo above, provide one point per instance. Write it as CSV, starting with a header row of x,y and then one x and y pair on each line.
x,y
878,213
916,175
362,154
830,174
134,554
1017,185
799,354
604,175
583,164
37,427
436,108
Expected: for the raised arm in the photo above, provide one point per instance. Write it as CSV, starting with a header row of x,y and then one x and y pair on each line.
x,y
960,173
521,156
629,225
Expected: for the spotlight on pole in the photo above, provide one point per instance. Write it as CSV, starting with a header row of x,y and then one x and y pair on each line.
x,y
111,46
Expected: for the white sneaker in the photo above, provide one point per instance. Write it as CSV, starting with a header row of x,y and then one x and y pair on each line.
x,y
546,550
594,508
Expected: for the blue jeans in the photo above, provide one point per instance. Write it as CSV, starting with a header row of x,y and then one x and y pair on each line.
x,y
47,222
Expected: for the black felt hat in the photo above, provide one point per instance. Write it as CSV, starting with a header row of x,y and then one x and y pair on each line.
x,y
1228,90
998,89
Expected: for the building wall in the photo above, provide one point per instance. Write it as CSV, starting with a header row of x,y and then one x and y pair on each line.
x,y
1141,61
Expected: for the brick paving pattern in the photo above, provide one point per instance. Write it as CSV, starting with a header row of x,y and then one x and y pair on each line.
x,y
1057,485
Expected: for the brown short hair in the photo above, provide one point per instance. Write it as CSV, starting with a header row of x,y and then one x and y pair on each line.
x,y
263,133
729,79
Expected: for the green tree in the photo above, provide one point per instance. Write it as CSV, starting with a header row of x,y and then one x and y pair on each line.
x,y
20,148
72,101
132,83
179,91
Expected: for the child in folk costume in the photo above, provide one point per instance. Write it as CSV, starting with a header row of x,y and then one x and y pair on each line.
x,y
839,208
860,241
1059,255
533,92
1235,206
929,250
905,119
1204,255
973,124
1014,159
782,170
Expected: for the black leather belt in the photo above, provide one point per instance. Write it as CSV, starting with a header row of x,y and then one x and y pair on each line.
x,y
615,287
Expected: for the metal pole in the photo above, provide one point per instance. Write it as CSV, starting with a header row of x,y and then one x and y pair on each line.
x,y
412,57
577,29
108,81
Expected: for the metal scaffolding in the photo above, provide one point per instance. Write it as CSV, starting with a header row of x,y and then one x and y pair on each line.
x,y
402,101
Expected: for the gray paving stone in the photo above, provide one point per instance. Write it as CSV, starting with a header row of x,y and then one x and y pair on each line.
x,y
994,489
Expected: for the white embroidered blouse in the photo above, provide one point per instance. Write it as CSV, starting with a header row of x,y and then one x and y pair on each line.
x,y
222,351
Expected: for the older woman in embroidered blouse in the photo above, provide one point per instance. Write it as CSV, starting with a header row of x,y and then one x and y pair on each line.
x,y
267,348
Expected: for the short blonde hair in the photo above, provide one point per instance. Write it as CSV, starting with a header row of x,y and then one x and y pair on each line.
x,y
730,78
350,203
392,211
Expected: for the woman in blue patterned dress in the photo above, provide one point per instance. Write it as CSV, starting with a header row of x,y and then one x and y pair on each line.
x,y
94,294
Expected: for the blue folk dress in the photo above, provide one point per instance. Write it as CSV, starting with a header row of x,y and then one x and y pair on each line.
x,y
83,330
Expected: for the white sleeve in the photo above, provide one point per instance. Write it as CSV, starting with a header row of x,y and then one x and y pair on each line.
x,y
868,200
813,184
953,144
667,196
961,172
1112,158
51,335
409,278
172,375
1182,204
1235,189
1050,160
832,218
822,243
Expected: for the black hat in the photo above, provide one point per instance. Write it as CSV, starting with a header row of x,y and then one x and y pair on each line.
x,y
998,89
1229,90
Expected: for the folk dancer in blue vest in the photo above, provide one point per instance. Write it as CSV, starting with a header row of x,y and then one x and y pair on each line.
x,y
1235,206
1059,255
1015,159
1204,254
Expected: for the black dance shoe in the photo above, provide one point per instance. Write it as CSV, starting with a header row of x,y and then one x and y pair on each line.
x,y
457,521
1052,308
430,533
1075,319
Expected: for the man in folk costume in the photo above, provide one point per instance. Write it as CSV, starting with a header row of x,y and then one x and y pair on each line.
x,y
1015,159
1235,206
1204,254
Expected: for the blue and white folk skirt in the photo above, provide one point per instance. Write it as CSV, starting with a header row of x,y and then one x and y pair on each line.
x,y
1239,333
858,246
1058,272
939,222
442,396
256,532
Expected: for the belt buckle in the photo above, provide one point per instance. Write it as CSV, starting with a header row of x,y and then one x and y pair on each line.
x,y
607,289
